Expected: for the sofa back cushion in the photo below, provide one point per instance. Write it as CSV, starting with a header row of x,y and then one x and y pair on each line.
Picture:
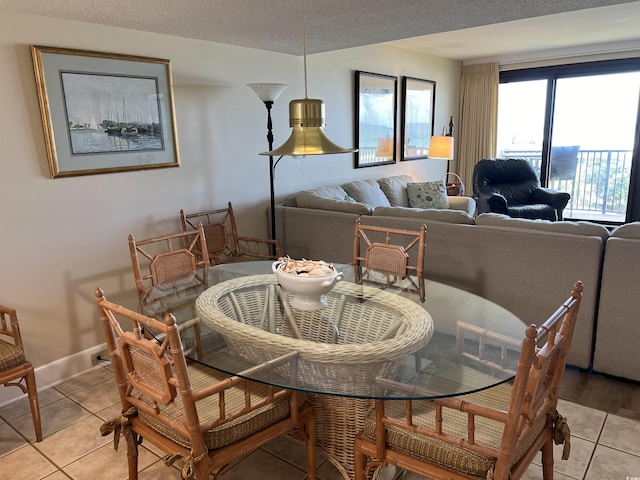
x,y
441,215
331,198
628,230
367,192
395,189
572,228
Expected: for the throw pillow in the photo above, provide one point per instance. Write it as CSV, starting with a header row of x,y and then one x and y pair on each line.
x,y
427,195
368,192
395,189
311,199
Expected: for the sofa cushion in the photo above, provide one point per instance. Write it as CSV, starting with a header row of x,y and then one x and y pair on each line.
x,y
628,230
395,189
331,198
368,192
572,228
290,201
334,192
441,215
427,195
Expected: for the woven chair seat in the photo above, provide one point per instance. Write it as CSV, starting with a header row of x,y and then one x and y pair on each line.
x,y
208,410
487,432
10,356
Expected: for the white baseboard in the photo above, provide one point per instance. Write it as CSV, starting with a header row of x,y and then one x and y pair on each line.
x,y
56,372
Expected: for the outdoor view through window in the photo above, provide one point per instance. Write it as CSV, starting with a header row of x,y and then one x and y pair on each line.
x,y
592,134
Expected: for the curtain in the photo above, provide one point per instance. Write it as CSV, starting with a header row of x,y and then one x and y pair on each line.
x,y
478,118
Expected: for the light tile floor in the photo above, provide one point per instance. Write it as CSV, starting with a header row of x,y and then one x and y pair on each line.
x,y
603,446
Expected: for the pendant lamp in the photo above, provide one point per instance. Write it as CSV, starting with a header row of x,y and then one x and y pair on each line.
x,y
306,119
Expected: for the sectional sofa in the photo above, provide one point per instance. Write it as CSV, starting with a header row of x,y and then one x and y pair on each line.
x,y
526,266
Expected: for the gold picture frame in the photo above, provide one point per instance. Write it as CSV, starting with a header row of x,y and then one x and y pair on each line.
x,y
105,112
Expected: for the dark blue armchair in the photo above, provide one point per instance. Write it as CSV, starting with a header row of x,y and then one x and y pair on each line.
x,y
511,186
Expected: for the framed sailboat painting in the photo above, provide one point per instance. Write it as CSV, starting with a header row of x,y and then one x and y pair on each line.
x,y
105,112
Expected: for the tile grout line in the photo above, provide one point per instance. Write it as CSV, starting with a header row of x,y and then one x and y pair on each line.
x,y
595,447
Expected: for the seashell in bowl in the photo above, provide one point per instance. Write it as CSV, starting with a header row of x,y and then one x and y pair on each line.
x,y
307,281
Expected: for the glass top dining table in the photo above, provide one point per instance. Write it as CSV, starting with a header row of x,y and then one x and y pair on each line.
x,y
367,338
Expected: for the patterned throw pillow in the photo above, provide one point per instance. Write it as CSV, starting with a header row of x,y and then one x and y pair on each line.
x,y
427,195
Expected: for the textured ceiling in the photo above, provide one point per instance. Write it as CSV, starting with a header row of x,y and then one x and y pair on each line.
x,y
461,29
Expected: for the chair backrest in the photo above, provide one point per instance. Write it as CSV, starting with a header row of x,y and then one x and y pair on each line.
x,y
531,404
564,162
393,252
541,366
15,369
223,240
141,365
169,258
514,178
9,326
153,377
219,227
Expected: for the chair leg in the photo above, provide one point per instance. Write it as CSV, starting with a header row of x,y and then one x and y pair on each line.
x,y
358,461
547,460
132,458
310,437
32,392
202,469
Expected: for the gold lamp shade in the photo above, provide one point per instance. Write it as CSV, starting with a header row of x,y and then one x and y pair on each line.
x,y
306,119
441,147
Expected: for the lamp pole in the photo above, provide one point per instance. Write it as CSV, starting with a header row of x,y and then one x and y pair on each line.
x,y
272,170
269,93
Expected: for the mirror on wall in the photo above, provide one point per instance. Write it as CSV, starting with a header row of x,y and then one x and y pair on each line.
x,y
418,97
375,122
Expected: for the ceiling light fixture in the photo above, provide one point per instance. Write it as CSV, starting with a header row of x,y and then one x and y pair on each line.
x,y
306,119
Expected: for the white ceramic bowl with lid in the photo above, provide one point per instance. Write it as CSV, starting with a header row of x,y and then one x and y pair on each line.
x,y
307,286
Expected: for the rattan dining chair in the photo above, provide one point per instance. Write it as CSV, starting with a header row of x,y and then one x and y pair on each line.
x,y
224,243
198,416
174,257
169,260
490,434
15,370
382,255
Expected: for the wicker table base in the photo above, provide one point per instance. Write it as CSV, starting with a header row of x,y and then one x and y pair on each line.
x,y
338,421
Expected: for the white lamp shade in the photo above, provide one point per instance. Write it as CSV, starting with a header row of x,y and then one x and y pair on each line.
x,y
268,92
441,147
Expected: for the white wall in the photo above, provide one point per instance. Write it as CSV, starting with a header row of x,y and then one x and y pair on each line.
x,y
63,237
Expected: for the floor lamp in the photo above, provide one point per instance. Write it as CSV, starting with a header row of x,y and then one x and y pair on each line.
x,y
269,93
441,147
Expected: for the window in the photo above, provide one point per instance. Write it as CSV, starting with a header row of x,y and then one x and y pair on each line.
x,y
578,124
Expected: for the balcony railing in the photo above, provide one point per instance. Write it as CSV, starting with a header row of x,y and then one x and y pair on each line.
x,y
600,187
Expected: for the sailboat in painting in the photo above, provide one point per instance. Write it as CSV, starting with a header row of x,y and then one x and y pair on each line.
x,y
93,124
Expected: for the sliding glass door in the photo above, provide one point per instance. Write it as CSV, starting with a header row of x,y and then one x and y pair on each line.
x,y
578,126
